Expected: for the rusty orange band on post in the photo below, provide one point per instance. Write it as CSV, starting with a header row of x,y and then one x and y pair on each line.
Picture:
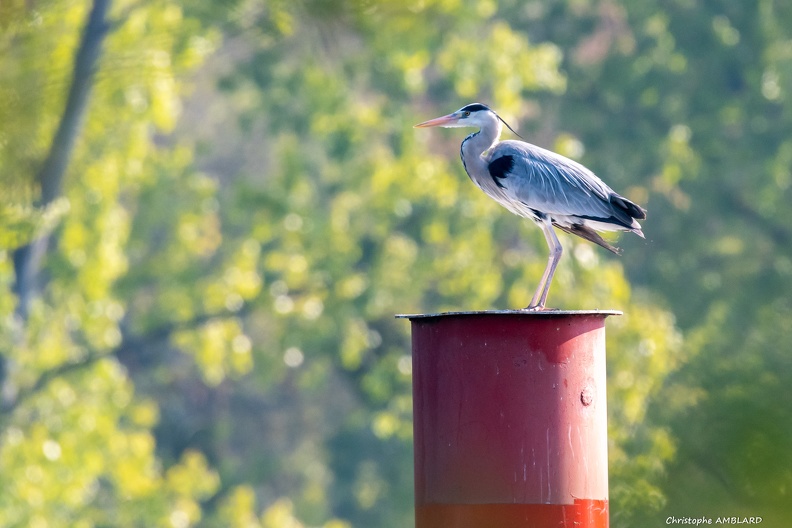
x,y
510,419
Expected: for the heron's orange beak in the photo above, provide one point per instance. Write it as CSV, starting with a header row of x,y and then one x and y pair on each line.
x,y
438,121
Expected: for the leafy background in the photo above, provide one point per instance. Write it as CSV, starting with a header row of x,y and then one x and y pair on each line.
x,y
209,336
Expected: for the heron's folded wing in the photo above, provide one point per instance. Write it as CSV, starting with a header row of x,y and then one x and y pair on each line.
x,y
548,183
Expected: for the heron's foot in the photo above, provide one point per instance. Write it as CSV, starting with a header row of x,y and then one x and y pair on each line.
x,y
539,308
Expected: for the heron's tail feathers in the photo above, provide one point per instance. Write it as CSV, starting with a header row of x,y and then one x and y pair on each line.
x,y
625,205
592,236
628,213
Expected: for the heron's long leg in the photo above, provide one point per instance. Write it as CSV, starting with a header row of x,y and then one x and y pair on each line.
x,y
540,297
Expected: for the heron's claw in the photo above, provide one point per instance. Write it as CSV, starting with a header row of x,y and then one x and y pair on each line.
x,y
539,308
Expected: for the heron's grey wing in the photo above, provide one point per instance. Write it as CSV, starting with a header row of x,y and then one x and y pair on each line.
x,y
549,184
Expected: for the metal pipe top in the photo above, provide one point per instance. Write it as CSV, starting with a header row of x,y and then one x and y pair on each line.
x,y
543,313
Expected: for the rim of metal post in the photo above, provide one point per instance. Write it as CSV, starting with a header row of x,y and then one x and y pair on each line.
x,y
541,313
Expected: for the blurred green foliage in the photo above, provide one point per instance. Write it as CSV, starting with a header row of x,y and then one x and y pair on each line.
x,y
248,206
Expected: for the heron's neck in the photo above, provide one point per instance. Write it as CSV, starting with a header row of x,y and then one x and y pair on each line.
x,y
477,144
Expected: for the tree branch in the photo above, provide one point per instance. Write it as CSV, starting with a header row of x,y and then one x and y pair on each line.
x,y
133,345
45,379
129,344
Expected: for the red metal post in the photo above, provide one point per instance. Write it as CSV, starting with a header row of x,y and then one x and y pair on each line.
x,y
510,420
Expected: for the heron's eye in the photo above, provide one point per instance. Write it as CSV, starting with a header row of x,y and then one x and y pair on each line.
x,y
465,114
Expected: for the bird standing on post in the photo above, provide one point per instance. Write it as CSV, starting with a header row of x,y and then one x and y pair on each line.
x,y
541,185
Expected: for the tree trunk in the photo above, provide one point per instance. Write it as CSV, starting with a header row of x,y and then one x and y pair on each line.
x,y
28,258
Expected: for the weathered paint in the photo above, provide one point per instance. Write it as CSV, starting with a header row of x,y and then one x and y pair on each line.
x,y
510,419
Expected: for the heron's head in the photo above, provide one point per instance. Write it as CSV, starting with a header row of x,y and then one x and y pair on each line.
x,y
475,115
472,115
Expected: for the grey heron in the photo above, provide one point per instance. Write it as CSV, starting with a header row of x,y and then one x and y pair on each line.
x,y
540,185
